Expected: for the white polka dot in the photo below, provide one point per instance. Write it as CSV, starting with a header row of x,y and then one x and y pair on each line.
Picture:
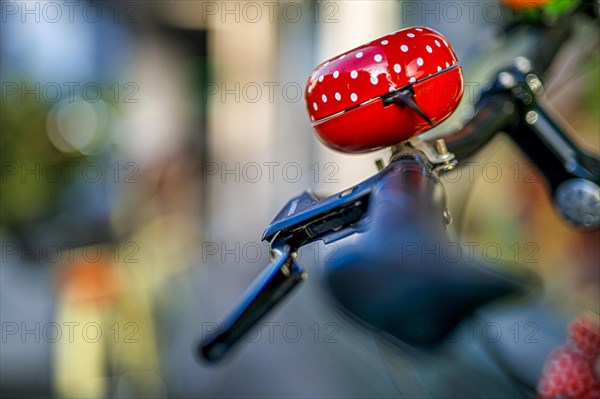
x,y
453,62
384,42
309,89
419,29
338,96
428,48
325,64
392,89
321,78
336,74
397,68
447,65
445,43
324,98
404,48
420,61
374,80
439,68
359,54
378,58
315,106
312,118
353,97
412,80
437,43
342,57
353,74
410,34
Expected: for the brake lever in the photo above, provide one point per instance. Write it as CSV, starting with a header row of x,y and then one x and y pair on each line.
x,y
305,219
273,284
302,220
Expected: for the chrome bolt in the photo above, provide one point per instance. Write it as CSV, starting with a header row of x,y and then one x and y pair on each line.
x,y
531,117
527,99
506,80
534,83
440,147
446,166
523,64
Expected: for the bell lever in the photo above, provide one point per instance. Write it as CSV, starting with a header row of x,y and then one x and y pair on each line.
x,y
407,97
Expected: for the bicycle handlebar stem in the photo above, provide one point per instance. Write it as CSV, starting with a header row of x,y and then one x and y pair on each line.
x,y
512,105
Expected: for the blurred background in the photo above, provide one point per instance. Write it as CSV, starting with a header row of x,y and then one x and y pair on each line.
x,y
145,146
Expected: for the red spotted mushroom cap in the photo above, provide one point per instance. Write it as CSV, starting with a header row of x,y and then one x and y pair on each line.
x,y
358,77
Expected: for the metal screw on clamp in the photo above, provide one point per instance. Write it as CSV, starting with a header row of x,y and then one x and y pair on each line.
x,y
440,147
506,80
437,154
535,84
523,65
448,159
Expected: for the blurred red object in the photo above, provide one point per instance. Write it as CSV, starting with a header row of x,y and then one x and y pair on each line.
x,y
573,370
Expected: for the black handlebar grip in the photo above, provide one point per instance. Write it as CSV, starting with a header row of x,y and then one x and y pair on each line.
x,y
399,277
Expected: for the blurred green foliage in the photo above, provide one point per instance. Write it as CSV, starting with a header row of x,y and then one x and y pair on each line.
x,y
28,193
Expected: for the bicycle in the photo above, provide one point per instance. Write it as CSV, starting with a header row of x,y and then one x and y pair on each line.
x,y
405,201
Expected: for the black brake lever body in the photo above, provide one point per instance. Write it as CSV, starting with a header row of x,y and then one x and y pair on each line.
x,y
305,219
